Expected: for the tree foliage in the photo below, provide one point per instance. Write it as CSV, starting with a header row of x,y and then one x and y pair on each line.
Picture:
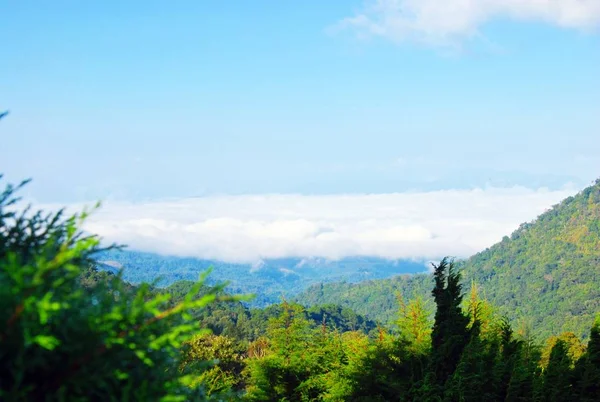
x,y
67,336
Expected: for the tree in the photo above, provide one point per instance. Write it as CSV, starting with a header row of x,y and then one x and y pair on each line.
x,y
589,384
557,376
450,334
289,361
508,358
61,340
219,361
525,373
414,325
575,349
474,378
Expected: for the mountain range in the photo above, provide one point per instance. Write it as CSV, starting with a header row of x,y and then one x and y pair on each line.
x,y
269,280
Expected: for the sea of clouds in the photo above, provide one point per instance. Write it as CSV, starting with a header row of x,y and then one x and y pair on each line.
x,y
249,228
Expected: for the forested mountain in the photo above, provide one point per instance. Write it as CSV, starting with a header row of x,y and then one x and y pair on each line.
x,y
546,275
269,280
547,270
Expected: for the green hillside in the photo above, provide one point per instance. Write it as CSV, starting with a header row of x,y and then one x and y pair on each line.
x,y
546,274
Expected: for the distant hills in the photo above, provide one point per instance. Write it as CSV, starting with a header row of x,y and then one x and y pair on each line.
x,y
545,275
269,280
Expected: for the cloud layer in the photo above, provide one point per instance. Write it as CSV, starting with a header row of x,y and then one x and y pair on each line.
x,y
250,228
449,21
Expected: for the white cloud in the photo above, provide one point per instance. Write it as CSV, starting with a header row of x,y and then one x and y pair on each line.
x,y
250,228
450,21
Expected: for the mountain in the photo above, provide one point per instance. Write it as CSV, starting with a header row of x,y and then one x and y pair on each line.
x,y
546,274
269,280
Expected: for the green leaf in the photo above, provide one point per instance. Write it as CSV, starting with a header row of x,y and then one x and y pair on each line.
x,y
46,341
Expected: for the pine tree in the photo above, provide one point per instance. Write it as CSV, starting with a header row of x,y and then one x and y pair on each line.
x,y
525,372
589,385
557,376
450,333
473,379
414,326
479,309
290,361
505,364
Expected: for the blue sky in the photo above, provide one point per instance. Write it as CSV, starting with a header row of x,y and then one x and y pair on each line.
x,y
144,100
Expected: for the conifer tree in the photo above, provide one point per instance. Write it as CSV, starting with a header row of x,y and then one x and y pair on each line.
x,y
525,373
414,325
290,361
557,376
449,334
508,358
589,384
473,379
480,310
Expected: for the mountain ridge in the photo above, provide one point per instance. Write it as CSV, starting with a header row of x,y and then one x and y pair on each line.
x,y
546,274
269,280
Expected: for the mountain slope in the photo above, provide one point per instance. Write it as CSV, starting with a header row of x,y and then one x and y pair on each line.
x,y
548,270
269,281
547,273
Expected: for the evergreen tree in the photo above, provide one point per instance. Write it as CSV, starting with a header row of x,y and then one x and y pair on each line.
x,y
507,360
557,376
575,348
290,361
473,379
414,326
449,334
383,372
526,373
589,384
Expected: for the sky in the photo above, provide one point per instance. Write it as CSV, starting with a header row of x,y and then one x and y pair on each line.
x,y
135,103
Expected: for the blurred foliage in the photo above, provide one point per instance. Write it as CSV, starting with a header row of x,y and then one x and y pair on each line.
x,y
70,333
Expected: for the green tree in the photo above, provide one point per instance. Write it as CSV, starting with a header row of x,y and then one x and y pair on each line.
x,y
61,341
219,361
575,348
414,325
589,383
526,371
450,333
288,362
557,376
473,379
510,349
